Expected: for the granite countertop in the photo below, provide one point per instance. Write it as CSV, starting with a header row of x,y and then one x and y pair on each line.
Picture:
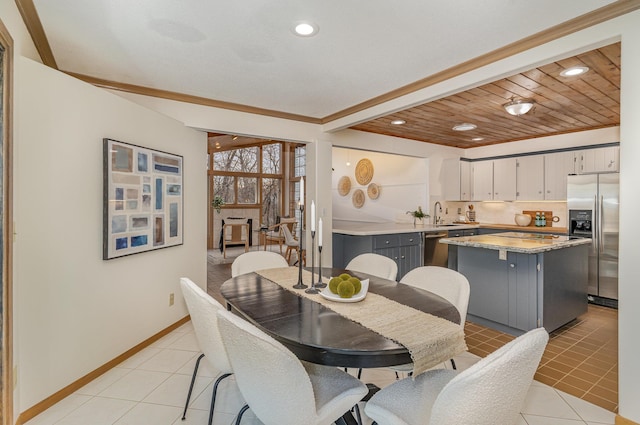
x,y
360,228
526,243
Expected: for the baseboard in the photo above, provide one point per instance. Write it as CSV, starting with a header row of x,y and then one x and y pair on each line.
x,y
622,421
40,407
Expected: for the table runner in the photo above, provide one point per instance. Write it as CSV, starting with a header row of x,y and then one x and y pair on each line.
x,y
429,339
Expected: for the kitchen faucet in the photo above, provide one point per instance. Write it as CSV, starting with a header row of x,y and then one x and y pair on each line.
x,y
436,219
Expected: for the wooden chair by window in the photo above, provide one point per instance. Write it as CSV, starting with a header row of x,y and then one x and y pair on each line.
x,y
235,220
275,233
235,233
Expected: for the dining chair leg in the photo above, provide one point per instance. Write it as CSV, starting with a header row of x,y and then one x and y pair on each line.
x,y
193,380
240,413
358,417
213,396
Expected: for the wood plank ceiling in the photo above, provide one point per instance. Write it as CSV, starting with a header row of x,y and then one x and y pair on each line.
x,y
562,105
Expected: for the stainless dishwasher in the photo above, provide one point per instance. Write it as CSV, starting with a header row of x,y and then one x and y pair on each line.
x,y
435,253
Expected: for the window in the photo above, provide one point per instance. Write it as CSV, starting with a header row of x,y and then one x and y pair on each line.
x,y
271,158
244,160
247,190
250,177
271,196
224,186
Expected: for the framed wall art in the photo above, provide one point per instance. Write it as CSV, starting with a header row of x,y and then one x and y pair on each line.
x,y
143,199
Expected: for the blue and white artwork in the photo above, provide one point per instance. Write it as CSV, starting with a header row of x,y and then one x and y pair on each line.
x,y
143,162
143,199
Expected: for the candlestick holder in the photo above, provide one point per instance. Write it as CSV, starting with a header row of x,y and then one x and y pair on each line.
x,y
300,284
313,289
320,283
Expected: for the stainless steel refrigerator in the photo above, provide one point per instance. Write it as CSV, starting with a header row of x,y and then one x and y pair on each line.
x,y
593,203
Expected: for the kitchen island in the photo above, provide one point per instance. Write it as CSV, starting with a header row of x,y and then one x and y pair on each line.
x,y
520,281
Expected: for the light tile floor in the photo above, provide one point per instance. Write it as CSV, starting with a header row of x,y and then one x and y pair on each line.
x,y
151,387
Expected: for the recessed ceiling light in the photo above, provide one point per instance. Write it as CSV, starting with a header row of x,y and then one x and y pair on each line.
x,y
477,139
398,122
305,29
464,127
574,70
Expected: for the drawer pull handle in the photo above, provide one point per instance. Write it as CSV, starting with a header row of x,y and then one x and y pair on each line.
x,y
387,242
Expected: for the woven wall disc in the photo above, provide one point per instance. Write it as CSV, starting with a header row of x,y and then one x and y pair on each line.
x,y
364,171
373,191
358,198
344,185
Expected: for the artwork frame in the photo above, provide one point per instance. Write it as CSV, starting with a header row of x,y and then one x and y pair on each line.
x,y
143,199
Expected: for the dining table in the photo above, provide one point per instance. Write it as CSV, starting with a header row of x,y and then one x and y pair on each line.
x,y
315,333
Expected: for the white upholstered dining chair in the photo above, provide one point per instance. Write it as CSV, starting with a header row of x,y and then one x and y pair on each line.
x,y
446,283
257,260
374,264
490,392
203,309
278,387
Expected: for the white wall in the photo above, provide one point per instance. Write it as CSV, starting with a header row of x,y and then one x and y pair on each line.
x,y
629,290
561,141
75,311
403,183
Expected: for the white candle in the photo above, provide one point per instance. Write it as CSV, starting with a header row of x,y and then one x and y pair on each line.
x,y
320,232
301,201
313,216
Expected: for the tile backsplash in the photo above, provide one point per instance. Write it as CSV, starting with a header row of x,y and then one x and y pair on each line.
x,y
502,212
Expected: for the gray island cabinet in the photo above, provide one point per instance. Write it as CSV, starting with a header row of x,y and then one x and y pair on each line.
x,y
522,281
403,248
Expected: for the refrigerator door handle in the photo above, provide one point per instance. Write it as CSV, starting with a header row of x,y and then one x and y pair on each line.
x,y
600,221
595,232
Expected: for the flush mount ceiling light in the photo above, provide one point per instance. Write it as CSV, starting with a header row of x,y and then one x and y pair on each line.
x,y
305,29
518,107
574,70
398,122
465,126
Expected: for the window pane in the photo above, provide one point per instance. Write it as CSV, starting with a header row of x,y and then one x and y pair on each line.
x,y
300,161
271,155
224,186
240,160
247,190
271,190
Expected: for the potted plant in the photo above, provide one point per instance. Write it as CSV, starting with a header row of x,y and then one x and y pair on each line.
x,y
418,216
217,203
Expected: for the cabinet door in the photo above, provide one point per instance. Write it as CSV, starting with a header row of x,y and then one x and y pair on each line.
x,y
504,179
482,172
451,175
557,166
465,181
530,178
600,160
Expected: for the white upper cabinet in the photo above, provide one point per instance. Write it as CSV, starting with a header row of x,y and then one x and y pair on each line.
x,y
504,179
530,178
482,172
599,160
557,166
465,181
456,180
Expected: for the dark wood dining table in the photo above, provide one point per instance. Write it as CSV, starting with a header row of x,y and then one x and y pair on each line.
x,y
317,334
